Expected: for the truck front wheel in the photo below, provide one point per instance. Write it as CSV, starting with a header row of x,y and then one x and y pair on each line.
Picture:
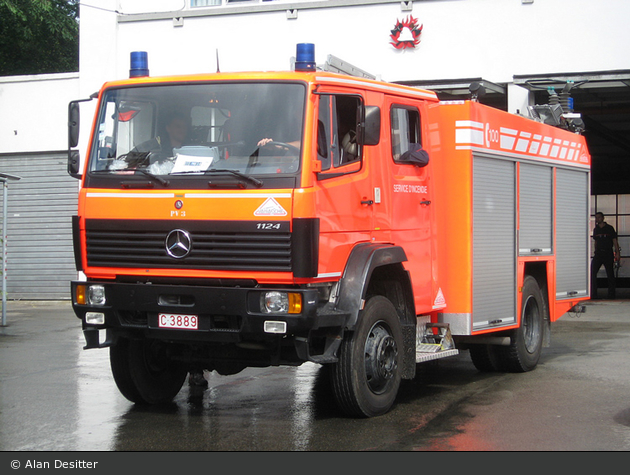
x,y
367,376
143,371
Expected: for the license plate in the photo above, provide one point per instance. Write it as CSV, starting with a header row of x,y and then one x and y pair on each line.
x,y
177,321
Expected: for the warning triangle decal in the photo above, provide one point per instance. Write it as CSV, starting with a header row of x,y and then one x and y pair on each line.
x,y
270,208
440,301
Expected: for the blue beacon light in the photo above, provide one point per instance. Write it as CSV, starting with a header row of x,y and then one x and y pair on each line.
x,y
305,57
139,64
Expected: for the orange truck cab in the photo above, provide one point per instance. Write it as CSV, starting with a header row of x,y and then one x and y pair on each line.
x,y
237,220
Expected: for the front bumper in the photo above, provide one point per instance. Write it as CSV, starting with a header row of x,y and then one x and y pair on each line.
x,y
225,314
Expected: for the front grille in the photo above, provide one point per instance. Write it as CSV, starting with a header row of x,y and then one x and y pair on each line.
x,y
215,245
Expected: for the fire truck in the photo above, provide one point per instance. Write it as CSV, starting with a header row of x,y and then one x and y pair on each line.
x,y
255,219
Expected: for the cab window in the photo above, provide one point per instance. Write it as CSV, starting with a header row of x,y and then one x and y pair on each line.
x,y
405,129
337,132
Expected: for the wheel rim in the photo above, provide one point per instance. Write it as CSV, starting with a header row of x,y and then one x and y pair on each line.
x,y
531,324
381,358
155,359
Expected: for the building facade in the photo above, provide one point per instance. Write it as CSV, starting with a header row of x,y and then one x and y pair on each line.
x,y
516,49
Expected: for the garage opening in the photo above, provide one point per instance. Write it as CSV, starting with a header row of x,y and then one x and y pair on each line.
x,y
40,257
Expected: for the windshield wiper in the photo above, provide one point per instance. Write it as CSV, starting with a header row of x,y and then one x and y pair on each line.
x,y
156,178
254,181
219,171
161,181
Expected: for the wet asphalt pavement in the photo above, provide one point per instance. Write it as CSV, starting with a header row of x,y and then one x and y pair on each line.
x,y
54,396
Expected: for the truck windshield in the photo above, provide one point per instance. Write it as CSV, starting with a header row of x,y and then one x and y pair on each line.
x,y
239,129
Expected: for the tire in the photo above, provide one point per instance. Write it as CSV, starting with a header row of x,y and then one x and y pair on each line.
x,y
366,378
143,372
527,341
486,358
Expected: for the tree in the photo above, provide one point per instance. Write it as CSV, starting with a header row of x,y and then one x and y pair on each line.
x,y
39,36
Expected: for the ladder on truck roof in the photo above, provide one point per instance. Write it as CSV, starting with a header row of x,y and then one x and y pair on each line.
x,y
337,65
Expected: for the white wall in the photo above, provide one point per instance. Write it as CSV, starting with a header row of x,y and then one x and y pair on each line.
x,y
493,39
34,111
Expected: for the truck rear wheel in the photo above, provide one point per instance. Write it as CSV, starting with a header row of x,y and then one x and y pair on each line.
x,y
526,346
486,358
367,376
144,373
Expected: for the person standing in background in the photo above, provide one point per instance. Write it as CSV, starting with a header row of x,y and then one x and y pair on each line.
x,y
607,251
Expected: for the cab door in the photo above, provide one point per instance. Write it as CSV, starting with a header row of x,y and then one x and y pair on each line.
x,y
345,197
407,198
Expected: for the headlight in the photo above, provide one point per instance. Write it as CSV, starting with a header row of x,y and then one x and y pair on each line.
x,y
95,318
281,302
96,295
271,326
90,295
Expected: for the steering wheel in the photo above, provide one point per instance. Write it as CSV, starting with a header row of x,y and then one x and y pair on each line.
x,y
286,146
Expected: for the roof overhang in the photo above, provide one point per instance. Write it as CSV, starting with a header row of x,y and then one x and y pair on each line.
x,y
589,80
456,87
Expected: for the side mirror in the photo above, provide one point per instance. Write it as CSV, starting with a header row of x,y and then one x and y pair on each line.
x,y
74,163
372,128
73,124
73,139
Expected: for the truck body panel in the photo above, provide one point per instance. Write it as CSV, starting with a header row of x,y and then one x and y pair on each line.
x,y
511,191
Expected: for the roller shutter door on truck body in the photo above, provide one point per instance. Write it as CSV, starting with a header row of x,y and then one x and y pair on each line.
x,y
535,210
572,239
494,246
40,257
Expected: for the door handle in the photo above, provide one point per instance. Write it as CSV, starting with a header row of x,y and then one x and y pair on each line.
x,y
425,202
367,202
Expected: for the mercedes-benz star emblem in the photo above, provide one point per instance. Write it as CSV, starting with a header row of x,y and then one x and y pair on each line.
x,y
178,243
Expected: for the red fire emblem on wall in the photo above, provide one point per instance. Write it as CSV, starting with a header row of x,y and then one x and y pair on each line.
x,y
406,33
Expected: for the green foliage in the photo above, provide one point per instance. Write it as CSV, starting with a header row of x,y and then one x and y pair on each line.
x,y
39,36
